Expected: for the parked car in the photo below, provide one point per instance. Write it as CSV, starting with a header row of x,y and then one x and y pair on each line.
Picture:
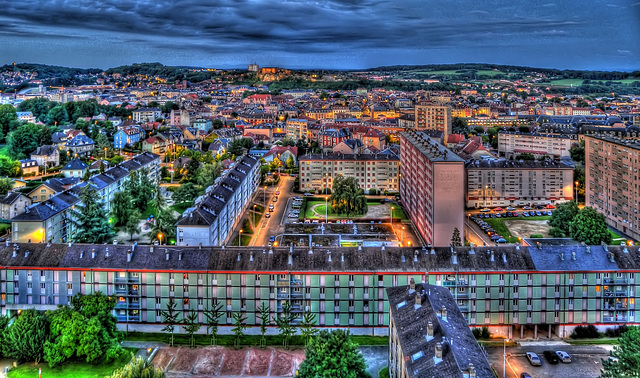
x,y
267,215
277,192
501,240
498,209
533,358
485,210
538,214
551,357
525,214
526,208
524,375
564,357
511,208
275,199
308,194
272,238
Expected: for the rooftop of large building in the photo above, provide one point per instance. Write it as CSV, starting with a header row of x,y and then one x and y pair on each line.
x,y
433,334
349,157
623,142
433,150
562,136
517,164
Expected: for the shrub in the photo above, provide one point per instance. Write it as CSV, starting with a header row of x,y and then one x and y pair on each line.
x,y
536,236
373,191
477,333
585,332
485,332
616,332
555,232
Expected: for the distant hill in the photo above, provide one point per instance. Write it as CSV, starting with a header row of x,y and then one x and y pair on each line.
x,y
45,71
169,73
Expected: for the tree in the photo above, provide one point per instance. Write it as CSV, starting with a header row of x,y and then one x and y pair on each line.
x,y
191,326
577,152
207,174
138,367
4,324
90,219
237,146
158,200
38,106
170,318
590,227
525,156
347,197
459,126
628,363
57,115
265,319
164,224
102,142
25,338
213,315
290,163
187,192
284,322
121,208
563,215
5,185
133,224
307,326
25,139
8,120
9,167
238,327
140,188
455,238
192,168
217,124
333,354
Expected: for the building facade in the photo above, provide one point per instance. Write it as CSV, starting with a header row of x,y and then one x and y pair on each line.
x,y
146,114
433,117
511,144
432,187
541,291
297,128
611,181
516,183
372,171
220,209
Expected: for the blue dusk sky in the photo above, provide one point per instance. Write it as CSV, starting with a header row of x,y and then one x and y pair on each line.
x,y
334,34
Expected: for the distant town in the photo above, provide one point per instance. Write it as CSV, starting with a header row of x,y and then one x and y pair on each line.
x,y
501,197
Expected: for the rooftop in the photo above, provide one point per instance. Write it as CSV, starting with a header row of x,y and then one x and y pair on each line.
x,y
516,164
433,150
351,157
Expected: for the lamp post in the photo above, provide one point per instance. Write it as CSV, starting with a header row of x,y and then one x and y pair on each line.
x,y
105,152
172,173
265,196
160,238
576,191
391,218
484,197
401,235
239,238
326,208
504,356
254,218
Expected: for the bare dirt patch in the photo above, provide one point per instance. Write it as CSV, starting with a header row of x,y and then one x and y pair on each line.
x,y
258,362
524,229
209,360
284,362
233,362
164,356
185,359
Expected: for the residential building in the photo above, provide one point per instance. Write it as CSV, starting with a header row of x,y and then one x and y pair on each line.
x,y
127,136
611,181
431,187
348,146
51,221
74,168
29,167
12,204
556,146
51,187
372,171
202,124
26,117
429,336
146,114
332,136
433,117
297,128
216,213
80,145
157,144
516,183
546,290
47,155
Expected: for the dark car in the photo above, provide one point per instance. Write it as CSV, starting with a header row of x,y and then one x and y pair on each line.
x,y
525,375
551,357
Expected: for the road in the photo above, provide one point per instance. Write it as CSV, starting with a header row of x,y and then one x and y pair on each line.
x,y
475,234
275,225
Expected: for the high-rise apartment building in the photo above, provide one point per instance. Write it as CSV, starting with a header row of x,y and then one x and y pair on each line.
x,y
511,144
431,187
433,117
611,181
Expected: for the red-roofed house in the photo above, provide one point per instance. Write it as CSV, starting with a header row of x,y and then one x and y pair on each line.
x,y
283,153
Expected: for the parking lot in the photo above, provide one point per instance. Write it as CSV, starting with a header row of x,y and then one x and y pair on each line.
x,y
586,361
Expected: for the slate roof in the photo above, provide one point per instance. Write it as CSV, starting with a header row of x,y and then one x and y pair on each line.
x,y
45,151
9,198
74,164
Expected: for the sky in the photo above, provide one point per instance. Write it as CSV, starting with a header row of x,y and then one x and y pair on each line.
x,y
331,34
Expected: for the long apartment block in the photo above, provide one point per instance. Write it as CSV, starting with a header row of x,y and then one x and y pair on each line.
x,y
544,289
511,144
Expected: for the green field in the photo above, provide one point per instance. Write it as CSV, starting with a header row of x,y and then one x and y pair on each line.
x,y
498,225
455,72
71,370
565,82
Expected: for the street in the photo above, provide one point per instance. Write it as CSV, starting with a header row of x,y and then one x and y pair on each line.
x,y
275,225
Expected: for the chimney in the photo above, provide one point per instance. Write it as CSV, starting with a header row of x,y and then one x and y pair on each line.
x,y
588,249
438,357
93,253
562,256
329,256
151,249
106,252
573,256
271,251
290,259
7,243
251,256
444,313
200,246
492,257
129,254
472,371
433,251
81,254
166,254
429,331
412,284
15,253
454,257
418,300
415,256
239,257
504,257
180,255
310,251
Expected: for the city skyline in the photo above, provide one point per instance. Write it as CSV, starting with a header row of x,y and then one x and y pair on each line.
x,y
332,35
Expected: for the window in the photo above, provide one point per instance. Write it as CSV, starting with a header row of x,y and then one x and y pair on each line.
x,y
186,301
158,300
501,290
42,273
69,286
487,290
43,285
322,290
172,288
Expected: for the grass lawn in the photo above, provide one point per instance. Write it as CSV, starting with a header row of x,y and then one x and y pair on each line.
x,y
245,240
181,207
498,225
248,340
384,373
4,228
565,82
603,341
398,212
75,370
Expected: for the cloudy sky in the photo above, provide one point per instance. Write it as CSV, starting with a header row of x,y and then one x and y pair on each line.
x,y
348,34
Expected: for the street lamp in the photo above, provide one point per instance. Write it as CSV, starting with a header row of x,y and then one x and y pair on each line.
x,y
484,197
576,191
239,237
172,173
326,208
254,218
504,356
265,196
391,217
105,152
401,235
160,238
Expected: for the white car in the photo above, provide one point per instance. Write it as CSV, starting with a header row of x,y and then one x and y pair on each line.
x,y
485,210
563,356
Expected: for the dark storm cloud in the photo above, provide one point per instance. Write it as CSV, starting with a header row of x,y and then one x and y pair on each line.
x,y
337,26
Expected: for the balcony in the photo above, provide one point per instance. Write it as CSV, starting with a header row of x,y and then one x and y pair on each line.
x,y
618,294
617,281
449,283
617,318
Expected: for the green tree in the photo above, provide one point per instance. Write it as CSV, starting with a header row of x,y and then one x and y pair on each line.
x,y
5,185
492,133
57,115
187,192
170,318
459,126
577,152
590,227
191,326
138,367
164,224
307,325
525,156
25,338
133,224
26,138
140,188
563,215
90,219
38,106
455,238
158,200
347,197
628,355
9,167
237,146
212,316
284,322
290,163
121,208
207,174
238,327
264,314
8,120
4,326
102,142
217,124
333,354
